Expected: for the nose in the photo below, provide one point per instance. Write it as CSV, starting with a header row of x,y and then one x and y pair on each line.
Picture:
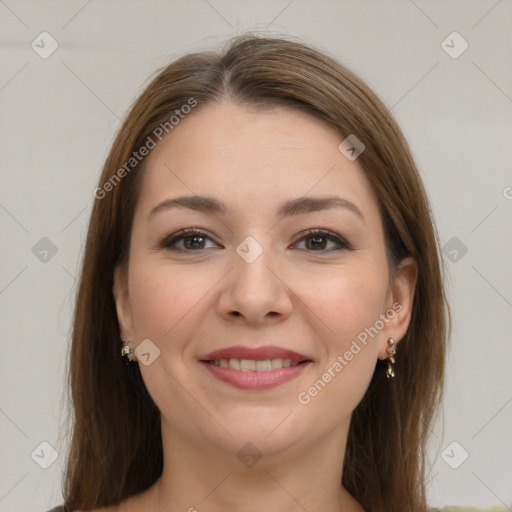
x,y
255,292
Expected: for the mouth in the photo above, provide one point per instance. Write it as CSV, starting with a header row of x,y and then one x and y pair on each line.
x,y
255,365
267,353
255,368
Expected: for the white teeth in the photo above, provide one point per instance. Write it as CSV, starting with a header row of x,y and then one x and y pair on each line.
x,y
277,363
234,363
252,365
263,366
247,365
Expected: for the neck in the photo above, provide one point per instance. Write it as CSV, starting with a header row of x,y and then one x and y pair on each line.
x,y
201,478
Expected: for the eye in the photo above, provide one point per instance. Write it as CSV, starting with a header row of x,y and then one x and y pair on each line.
x,y
317,240
193,240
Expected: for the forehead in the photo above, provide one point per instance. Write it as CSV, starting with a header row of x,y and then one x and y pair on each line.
x,y
251,159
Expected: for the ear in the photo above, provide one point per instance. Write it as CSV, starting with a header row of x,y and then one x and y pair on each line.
x,y
399,303
121,299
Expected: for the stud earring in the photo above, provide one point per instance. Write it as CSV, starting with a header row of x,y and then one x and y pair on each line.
x,y
391,350
125,350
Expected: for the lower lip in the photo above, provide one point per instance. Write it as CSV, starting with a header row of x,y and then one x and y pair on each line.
x,y
255,380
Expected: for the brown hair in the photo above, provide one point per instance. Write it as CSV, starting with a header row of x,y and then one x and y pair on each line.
x,y
116,447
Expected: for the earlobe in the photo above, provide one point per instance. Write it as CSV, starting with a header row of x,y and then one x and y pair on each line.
x,y
120,292
401,300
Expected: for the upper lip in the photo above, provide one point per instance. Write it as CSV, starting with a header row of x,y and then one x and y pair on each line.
x,y
261,353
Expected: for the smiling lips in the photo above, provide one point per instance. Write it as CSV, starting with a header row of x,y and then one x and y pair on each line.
x,y
255,368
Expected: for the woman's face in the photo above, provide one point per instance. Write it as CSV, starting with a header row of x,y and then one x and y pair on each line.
x,y
254,277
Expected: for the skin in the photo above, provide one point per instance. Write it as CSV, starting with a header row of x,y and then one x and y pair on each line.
x,y
314,299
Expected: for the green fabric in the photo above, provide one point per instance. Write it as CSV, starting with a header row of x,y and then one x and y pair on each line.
x,y
471,509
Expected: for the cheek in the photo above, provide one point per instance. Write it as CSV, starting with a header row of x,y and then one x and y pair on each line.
x,y
346,300
347,304
162,297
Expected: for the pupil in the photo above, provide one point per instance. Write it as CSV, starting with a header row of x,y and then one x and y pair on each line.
x,y
189,240
317,238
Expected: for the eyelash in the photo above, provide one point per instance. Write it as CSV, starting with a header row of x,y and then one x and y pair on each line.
x,y
187,233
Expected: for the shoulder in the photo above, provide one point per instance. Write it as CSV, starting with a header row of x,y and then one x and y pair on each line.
x,y
61,509
112,508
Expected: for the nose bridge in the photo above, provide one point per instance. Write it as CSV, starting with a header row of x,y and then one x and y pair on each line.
x,y
254,289
253,274
256,276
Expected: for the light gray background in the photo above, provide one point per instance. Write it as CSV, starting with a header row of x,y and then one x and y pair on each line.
x,y
58,117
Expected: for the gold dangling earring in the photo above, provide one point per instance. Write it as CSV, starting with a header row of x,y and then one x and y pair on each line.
x,y
125,351
391,350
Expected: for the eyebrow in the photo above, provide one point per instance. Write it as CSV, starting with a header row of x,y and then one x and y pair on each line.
x,y
297,206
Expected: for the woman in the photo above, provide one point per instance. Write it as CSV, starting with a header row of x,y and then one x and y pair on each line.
x,y
262,256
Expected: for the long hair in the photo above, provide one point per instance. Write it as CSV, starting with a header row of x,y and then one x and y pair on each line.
x,y
116,448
